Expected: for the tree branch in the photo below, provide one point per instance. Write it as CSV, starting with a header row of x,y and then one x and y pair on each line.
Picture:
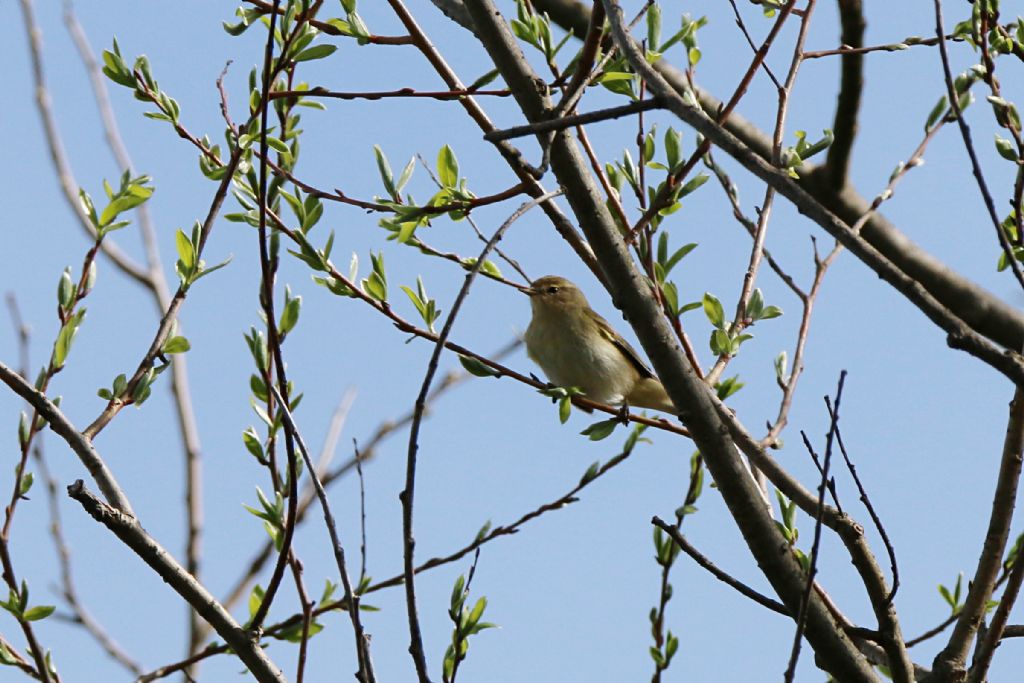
x,y
688,392
131,533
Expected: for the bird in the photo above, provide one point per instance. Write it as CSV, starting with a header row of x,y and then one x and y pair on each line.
x,y
576,347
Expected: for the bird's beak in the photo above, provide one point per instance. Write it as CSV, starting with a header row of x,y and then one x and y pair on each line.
x,y
528,291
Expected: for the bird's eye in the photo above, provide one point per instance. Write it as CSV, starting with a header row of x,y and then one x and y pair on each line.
x,y
552,289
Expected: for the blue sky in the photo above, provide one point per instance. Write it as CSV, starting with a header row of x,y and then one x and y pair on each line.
x,y
571,592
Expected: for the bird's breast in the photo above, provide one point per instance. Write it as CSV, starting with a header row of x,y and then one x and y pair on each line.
x,y
570,357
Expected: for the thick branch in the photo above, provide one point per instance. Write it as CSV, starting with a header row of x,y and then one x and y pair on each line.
x,y
851,87
979,309
626,284
81,445
954,656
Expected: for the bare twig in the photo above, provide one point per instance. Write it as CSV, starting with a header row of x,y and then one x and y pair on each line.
x,y
965,132
365,674
161,299
273,337
705,563
79,614
953,657
812,569
574,120
407,496
872,513
131,533
69,188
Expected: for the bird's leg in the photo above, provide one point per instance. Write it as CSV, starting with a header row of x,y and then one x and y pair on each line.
x,y
623,414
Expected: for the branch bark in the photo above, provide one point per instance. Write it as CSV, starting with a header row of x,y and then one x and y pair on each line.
x,y
837,653
131,533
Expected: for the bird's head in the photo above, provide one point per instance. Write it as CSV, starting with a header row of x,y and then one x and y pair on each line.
x,y
552,293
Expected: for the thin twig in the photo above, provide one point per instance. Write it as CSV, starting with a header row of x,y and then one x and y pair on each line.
x,y
812,569
79,614
128,529
953,656
69,187
161,299
365,674
710,566
362,512
965,132
574,120
872,513
327,477
273,337
407,496
486,535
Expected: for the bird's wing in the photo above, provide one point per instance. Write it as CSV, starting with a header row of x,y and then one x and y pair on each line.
x,y
628,351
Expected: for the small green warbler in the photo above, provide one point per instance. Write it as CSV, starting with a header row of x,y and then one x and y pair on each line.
x,y
576,347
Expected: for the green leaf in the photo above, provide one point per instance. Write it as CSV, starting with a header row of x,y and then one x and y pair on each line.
x,y
255,599
39,612
385,172
65,289
678,256
476,367
186,252
693,184
290,315
253,444
447,167
1006,149
653,26
315,52
591,472
564,409
176,345
26,483
65,337
6,658
714,311
600,430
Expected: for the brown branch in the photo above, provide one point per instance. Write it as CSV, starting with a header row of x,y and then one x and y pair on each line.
x,y
266,297
365,673
976,307
741,320
851,88
407,495
688,392
161,299
564,122
953,656
79,614
965,132
131,533
750,41
443,95
79,443
705,563
812,568
330,29
997,628
510,154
